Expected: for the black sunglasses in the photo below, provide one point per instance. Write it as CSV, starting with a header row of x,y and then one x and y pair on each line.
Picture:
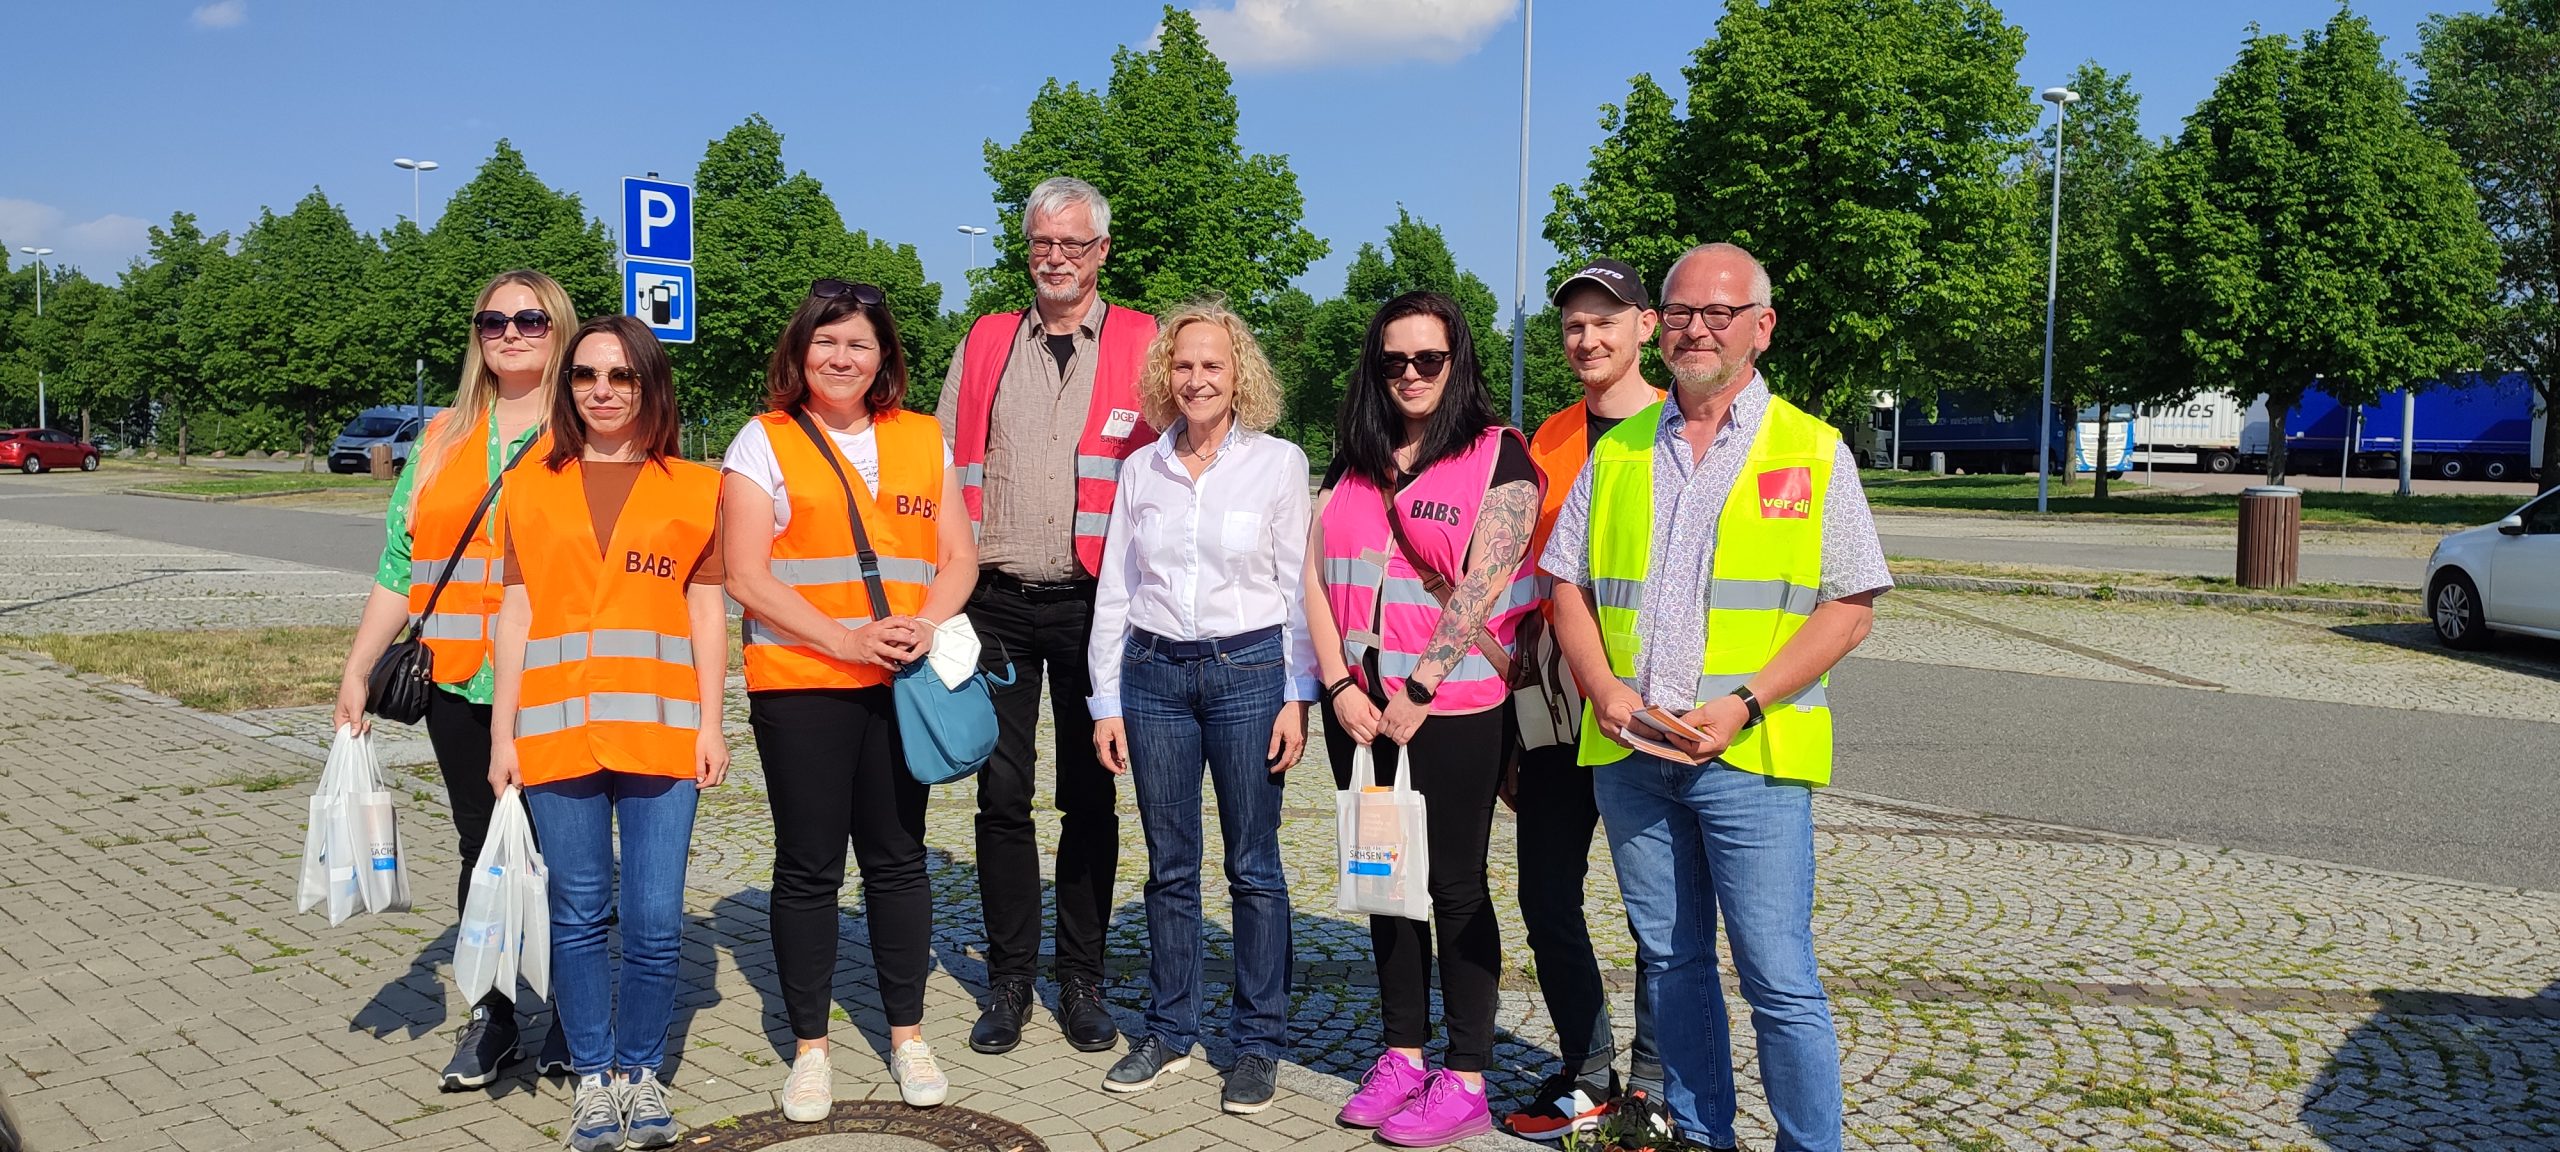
x,y
829,288
532,323
1391,365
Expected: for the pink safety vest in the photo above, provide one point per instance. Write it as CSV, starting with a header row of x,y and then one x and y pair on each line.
x,y
1112,427
1362,566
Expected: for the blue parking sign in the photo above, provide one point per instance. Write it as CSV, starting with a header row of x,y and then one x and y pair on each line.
x,y
657,220
660,294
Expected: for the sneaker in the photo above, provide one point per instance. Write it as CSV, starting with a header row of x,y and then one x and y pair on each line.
x,y
1391,1084
1148,1059
1008,1008
810,1093
920,1080
595,1116
554,1060
1444,1112
1082,1015
1250,1085
488,1043
1639,1121
1564,1105
646,1121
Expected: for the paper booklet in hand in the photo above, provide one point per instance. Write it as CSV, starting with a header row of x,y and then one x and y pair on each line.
x,y
1650,732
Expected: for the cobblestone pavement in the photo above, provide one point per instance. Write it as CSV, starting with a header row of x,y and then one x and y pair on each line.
x,y
1998,984
69,580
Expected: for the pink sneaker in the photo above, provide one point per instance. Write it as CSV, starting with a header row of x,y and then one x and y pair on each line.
x,y
1391,1084
1444,1112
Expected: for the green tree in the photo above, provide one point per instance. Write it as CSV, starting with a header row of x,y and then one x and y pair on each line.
x,y
274,329
2097,351
2493,89
2304,227
53,344
1416,258
1628,207
1191,214
149,353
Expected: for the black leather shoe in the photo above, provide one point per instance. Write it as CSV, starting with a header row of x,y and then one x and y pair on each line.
x,y
1250,1085
1082,1017
1008,1007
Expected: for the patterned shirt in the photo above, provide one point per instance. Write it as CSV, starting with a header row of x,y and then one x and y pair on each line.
x,y
1028,503
1688,500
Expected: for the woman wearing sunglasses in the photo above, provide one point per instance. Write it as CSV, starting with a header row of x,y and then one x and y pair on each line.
x,y
612,649
509,370
1414,650
836,447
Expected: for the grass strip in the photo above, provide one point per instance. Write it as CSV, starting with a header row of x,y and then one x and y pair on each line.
x,y
2015,494
217,670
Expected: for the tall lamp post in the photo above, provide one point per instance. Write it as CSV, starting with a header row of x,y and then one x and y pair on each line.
x,y
418,401
2061,99
972,231
1520,240
39,254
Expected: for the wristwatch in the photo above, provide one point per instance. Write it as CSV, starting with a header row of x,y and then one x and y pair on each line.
x,y
1414,691
1751,702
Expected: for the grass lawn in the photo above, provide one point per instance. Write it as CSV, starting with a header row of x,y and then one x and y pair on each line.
x,y
218,670
247,484
2009,494
1917,566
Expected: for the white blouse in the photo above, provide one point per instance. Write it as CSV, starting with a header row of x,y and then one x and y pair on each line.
x,y
1206,559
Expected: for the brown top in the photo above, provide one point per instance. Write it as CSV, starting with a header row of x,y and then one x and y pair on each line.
x,y
608,484
1027,524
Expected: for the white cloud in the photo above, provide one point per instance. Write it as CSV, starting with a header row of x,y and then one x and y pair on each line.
x,y
1280,35
101,246
222,14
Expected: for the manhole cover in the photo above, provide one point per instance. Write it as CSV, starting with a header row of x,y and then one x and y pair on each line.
x,y
869,1126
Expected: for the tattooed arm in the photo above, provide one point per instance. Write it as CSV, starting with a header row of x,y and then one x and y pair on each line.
x,y
1501,542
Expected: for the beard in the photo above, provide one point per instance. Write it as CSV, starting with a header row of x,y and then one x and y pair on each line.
x,y
1068,293
1713,379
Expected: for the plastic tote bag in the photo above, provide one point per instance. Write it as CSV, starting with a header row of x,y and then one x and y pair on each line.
x,y
506,920
352,858
1382,846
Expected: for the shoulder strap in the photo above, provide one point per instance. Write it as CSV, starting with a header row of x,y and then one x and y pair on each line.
x,y
486,499
1486,643
869,559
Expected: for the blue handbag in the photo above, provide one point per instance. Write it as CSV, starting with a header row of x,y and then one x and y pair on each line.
x,y
947,733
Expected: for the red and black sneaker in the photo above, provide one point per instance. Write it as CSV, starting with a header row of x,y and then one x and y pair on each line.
x,y
1564,1105
1639,1121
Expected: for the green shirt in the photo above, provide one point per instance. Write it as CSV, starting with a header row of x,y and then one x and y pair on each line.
x,y
392,572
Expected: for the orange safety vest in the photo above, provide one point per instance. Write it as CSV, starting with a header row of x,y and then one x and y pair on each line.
x,y
815,553
1561,447
609,681
1113,427
458,634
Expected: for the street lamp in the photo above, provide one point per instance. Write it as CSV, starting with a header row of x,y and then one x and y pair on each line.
x,y
2061,99
39,254
418,396
972,231
1520,239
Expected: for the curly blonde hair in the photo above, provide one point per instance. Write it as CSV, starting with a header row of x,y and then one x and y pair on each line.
x,y
1257,388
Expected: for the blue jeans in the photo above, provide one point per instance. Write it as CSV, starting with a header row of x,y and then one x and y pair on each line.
x,y
1690,841
577,819
1179,712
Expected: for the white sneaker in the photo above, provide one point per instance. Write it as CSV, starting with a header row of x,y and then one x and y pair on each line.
x,y
810,1094
920,1080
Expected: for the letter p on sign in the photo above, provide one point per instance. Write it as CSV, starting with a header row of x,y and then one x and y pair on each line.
x,y
657,220
657,210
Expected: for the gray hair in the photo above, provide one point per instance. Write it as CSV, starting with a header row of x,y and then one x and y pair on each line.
x,y
1057,192
1759,273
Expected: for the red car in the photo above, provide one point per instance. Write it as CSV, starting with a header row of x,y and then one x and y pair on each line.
x,y
32,450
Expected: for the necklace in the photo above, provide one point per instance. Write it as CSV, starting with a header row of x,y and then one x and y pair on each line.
x,y
1194,451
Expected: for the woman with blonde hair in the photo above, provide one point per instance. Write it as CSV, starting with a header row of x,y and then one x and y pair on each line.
x,y
510,369
1200,653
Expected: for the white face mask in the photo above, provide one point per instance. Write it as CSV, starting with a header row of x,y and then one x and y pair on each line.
x,y
954,655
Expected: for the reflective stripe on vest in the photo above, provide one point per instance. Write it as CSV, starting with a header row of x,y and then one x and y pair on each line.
x,y
756,632
810,571
605,707
449,626
467,570
627,643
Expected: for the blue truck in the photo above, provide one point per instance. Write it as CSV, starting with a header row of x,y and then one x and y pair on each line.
x,y
2471,427
1986,435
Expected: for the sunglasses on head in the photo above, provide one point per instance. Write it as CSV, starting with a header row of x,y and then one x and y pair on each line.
x,y
1391,365
830,288
532,323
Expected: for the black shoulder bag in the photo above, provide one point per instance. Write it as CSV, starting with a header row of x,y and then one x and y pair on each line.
x,y
399,686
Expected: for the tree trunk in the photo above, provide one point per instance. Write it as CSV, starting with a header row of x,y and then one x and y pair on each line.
x,y
84,424
310,431
2276,414
182,438
2101,458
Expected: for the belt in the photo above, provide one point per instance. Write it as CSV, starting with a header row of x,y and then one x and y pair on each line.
x,y
1190,650
1036,591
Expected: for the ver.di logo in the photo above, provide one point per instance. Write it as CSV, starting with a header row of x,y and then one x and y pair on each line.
x,y
1786,494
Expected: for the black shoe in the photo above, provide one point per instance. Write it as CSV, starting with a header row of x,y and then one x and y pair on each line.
x,y
1250,1085
488,1044
1082,1017
1008,1007
1147,1059
1640,1121
554,1060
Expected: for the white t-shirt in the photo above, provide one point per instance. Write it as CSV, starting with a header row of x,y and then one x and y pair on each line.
x,y
751,455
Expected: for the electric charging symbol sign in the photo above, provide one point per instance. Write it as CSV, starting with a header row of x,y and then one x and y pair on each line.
x,y
661,295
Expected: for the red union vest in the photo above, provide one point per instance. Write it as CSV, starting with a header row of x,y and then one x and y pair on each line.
x,y
1368,578
1112,427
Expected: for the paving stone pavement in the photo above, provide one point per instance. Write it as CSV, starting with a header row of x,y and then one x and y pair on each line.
x,y
1998,984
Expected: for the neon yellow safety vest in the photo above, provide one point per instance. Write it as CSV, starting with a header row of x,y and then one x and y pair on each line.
x,y
1765,578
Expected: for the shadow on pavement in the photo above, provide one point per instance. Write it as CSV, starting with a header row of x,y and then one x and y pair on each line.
x,y
413,1000
2530,655
2437,1069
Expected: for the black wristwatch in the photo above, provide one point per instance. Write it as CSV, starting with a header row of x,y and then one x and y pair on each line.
x,y
1751,702
1414,691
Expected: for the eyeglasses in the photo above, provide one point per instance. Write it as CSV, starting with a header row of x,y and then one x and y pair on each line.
x,y
1716,317
1071,249
1391,365
830,288
532,324
623,381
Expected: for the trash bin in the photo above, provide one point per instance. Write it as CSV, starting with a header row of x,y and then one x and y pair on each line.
x,y
2270,537
378,459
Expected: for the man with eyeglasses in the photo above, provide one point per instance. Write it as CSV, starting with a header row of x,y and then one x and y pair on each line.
x,y
1712,563
1040,408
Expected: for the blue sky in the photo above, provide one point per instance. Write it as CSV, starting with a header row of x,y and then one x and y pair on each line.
x,y
118,114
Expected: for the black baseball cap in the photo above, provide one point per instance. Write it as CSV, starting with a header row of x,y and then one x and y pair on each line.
x,y
1615,277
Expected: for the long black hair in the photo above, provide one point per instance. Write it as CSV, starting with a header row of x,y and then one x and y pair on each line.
x,y
1370,426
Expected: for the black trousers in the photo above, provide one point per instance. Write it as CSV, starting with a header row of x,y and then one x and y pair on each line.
x,y
1557,816
1457,766
833,771
1042,631
459,730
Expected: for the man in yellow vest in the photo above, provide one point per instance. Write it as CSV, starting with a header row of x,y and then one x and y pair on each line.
x,y
1714,560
